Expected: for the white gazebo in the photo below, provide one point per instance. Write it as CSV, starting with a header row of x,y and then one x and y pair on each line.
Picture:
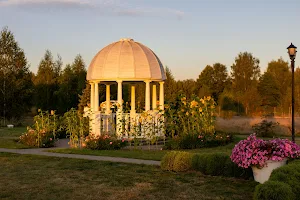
x,y
124,61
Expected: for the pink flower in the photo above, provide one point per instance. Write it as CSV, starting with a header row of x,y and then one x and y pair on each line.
x,y
110,143
50,139
253,151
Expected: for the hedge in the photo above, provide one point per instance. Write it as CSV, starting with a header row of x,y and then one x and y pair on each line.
x,y
284,183
289,174
273,190
215,164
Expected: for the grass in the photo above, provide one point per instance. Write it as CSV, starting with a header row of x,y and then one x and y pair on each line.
x,y
138,154
12,132
9,138
37,177
144,154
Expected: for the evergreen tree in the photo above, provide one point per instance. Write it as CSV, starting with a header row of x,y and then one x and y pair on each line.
x,y
170,86
71,85
46,82
15,78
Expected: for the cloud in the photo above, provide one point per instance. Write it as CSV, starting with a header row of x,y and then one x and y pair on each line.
x,y
41,2
108,7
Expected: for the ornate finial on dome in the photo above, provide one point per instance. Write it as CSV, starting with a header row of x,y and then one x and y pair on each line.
x,y
126,39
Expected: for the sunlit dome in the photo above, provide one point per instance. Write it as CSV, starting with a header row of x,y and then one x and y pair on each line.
x,y
126,60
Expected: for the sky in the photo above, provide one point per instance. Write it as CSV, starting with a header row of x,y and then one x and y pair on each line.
x,y
186,35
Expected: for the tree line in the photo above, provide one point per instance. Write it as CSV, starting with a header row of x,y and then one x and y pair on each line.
x,y
51,88
243,90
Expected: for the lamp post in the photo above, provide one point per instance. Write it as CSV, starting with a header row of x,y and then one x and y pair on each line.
x,y
292,53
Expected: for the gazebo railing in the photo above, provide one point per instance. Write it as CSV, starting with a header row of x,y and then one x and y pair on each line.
x,y
131,127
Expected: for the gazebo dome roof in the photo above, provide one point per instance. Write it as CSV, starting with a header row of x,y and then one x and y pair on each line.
x,y
126,60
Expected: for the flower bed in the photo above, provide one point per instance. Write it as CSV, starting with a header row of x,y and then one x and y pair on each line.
x,y
43,132
103,142
34,138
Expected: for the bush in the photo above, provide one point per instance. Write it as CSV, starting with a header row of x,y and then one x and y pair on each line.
x,y
219,164
182,162
167,161
289,174
199,162
103,142
193,141
34,138
265,128
273,190
215,164
177,161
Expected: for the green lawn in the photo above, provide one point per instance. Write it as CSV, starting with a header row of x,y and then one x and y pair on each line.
x,y
139,154
9,138
37,177
150,154
144,154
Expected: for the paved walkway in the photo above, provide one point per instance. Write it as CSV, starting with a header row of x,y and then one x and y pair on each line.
x,y
86,157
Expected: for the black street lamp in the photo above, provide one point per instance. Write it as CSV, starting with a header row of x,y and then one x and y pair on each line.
x,y
292,53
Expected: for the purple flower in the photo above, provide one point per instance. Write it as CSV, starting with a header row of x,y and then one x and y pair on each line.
x,y
253,151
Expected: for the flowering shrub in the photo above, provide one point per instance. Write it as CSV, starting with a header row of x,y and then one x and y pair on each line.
x,y
253,151
43,132
33,138
103,142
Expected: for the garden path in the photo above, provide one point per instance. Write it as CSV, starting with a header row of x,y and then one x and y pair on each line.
x,y
76,156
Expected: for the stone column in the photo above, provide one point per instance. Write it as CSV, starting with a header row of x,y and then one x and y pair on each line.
x,y
147,96
92,98
96,107
132,111
107,110
119,111
97,124
120,94
154,97
92,108
161,95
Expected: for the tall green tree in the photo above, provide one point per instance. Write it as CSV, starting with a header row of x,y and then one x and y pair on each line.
x,y
297,91
186,87
46,82
72,82
170,86
283,77
79,77
15,78
269,91
212,80
204,83
245,73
